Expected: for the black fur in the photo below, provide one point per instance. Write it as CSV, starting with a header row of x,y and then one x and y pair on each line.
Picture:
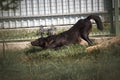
x,y
79,30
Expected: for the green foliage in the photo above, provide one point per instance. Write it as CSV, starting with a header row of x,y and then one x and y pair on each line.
x,y
9,4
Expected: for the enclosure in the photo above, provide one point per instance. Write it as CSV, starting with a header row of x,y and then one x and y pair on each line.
x,y
31,14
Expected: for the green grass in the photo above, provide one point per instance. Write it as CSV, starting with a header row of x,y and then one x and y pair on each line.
x,y
18,33
11,66
29,33
66,51
68,63
106,30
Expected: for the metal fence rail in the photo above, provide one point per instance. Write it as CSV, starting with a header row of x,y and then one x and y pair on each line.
x,y
33,13
25,34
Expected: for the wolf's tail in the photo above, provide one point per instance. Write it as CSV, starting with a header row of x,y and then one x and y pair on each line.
x,y
97,20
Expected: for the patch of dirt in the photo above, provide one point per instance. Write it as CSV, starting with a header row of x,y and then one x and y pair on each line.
x,y
15,45
104,44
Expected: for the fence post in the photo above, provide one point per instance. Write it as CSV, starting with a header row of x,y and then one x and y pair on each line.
x,y
3,42
116,18
111,13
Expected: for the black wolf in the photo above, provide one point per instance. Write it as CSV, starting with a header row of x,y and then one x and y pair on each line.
x,y
79,30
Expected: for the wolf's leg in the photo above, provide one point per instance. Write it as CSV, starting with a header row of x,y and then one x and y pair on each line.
x,y
86,38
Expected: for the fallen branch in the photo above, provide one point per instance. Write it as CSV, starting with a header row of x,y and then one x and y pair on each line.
x,y
107,43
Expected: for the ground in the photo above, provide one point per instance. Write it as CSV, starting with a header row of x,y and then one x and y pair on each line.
x,y
105,44
68,63
24,44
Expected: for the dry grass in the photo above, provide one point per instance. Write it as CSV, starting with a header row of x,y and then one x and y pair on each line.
x,y
105,44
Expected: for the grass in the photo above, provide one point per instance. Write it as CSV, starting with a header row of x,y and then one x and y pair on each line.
x,y
68,63
66,51
31,33
11,66
18,33
105,31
